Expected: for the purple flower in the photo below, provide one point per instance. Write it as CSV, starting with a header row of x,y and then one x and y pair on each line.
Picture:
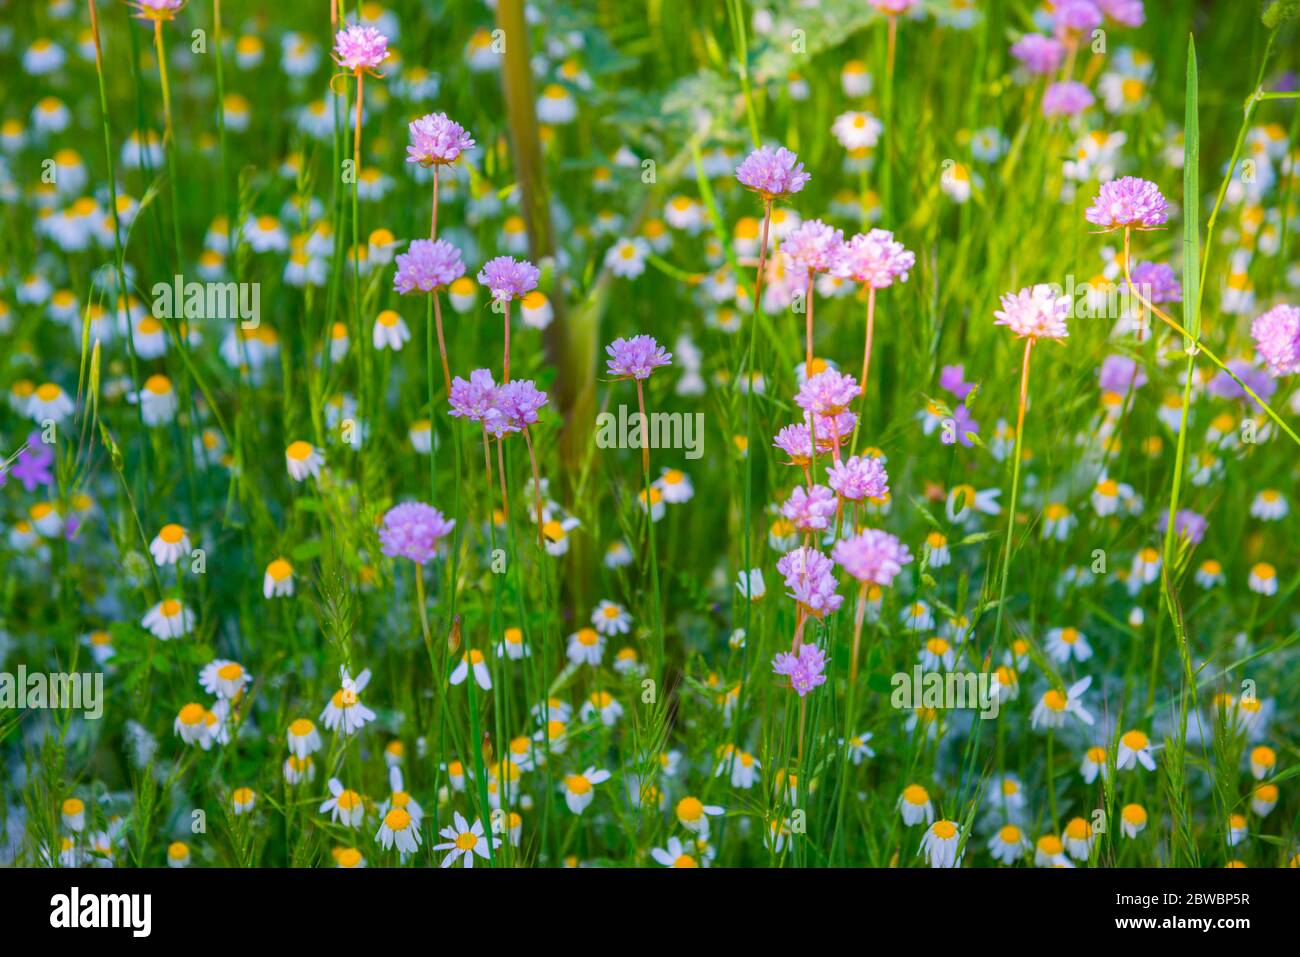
x,y
1120,374
1157,282
807,573
519,401
876,258
508,278
772,172
796,442
1277,337
1036,313
636,358
828,392
476,399
872,556
359,48
810,510
1068,98
32,467
1040,55
858,477
804,670
1187,524
953,379
1076,16
815,247
1129,13
436,140
428,265
1223,386
1128,201
832,430
962,427
412,530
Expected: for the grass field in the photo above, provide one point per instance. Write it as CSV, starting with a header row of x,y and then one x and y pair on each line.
x,y
341,586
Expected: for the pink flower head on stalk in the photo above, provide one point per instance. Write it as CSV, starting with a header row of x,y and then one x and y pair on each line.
x,y
1156,282
827,393
1128,13
508,278
814,247
772,173
1069,98
359,49
810,509
858,478
872,556
519,401
876,259
805,670
156,9
1076,17
1187,524
1040,55
437,140
833,430
1126,202
796,442
476,399
893,8
1277,337
1120,374
428,264
1035,313
635,358
412,530
807,573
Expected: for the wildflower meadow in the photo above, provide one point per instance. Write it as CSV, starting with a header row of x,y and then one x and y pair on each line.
x,y
649,434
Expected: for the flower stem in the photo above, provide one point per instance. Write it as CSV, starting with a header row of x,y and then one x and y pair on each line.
x,y
1015,490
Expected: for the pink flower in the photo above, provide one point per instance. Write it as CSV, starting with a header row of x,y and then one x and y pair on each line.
x,y
804,670
772,172
832,430
1069,98
412,530
1040,55
1129,13
636,358
1128,201
1076,16
796,442
519,401
428,265
807,573
827,393
814,247
436,140
156,9
359,48
858,478
475,399
872,556
1277,337
810,510
876,259
1036,313
893,8
508,278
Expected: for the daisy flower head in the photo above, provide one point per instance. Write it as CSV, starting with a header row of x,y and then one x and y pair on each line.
x,y
1277,338
427,264
1128,202
1037,312
345,713
635,358
156,9
872,556
580,789
1055,706
772,173
940,842
437,140
464,841
805,669
876,259
611,618
224,679
673,854
815,247
412,530
508,278
359,49
400,828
